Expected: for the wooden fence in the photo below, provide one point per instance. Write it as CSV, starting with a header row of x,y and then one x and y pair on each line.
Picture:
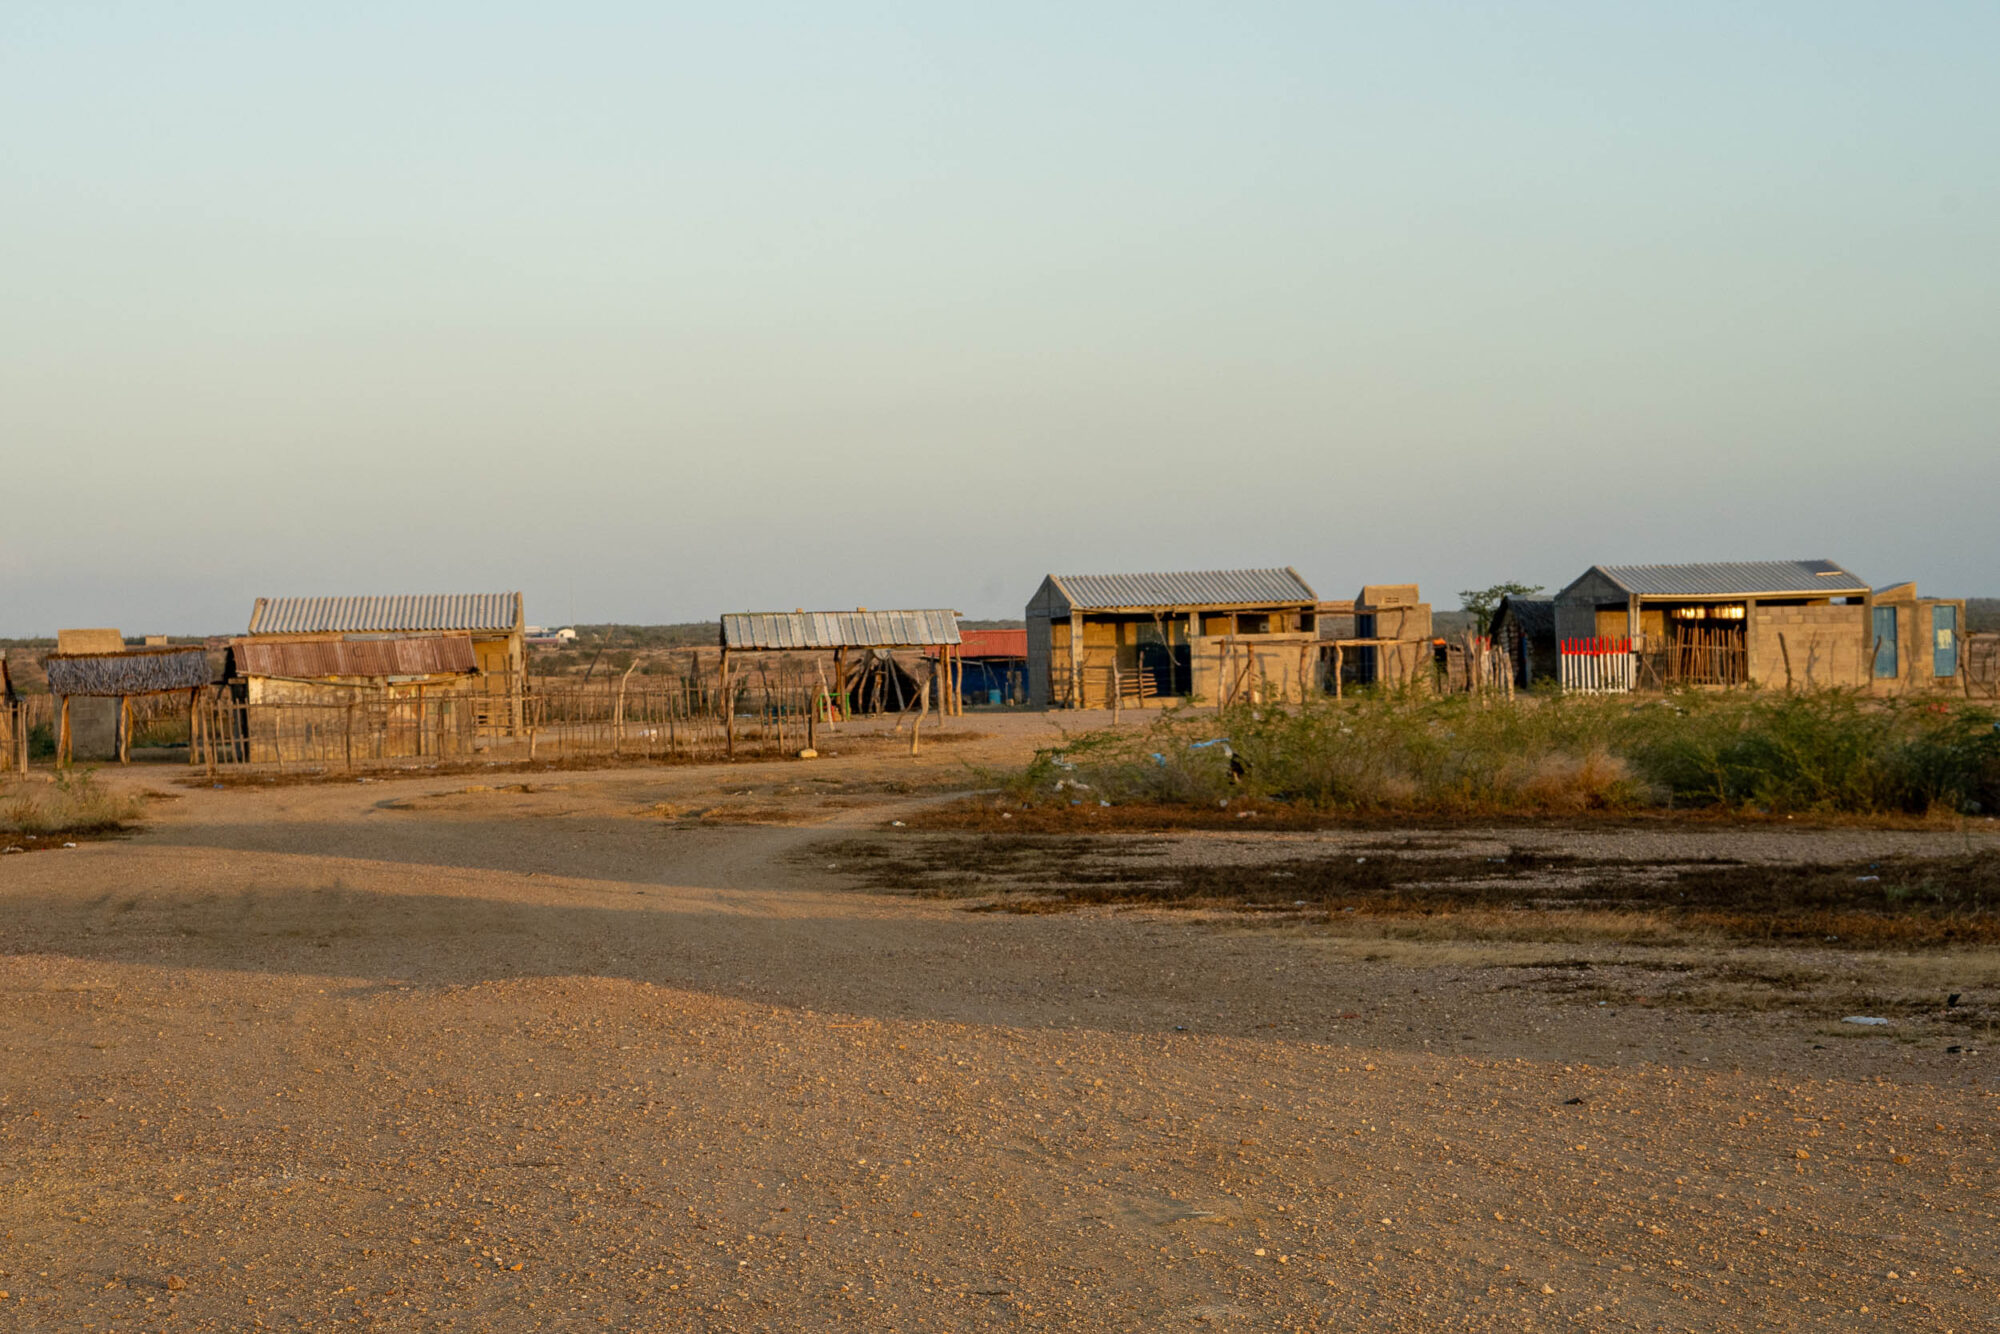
x,y
764,715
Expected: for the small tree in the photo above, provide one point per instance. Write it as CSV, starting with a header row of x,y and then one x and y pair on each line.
x,y
1483,602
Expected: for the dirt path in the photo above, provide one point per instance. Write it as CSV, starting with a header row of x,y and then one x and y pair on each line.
x,y
439,1054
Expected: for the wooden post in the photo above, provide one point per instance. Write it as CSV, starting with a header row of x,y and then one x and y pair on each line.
x,y
728,706
1339,669
923,703
1117,687
62,737
1077,698
124,729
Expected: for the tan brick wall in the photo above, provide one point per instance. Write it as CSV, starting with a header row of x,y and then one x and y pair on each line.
x,y
1828,646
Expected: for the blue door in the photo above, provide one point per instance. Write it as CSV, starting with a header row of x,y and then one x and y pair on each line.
x,y
1944,641
1885,642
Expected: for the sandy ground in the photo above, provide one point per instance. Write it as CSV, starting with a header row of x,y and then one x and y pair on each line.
x,y
439,1053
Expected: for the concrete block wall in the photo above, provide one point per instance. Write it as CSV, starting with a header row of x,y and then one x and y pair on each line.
x,y
1828,645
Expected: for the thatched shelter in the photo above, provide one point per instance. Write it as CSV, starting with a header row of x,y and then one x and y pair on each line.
x,y
122,676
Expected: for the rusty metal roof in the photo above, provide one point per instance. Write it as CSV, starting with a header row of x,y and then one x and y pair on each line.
x,y
397,614
839,629
1759,578
138,671
994,643
1275,587
414,655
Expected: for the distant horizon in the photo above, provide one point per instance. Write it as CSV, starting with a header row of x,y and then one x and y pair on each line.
x,y
657,311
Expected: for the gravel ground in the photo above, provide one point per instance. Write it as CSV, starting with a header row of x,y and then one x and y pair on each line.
x,y
439,1054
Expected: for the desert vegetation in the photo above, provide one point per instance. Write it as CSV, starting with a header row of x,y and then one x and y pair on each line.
x,y
1825,753
74,803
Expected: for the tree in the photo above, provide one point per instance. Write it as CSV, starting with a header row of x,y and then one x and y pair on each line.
x,y
1483,602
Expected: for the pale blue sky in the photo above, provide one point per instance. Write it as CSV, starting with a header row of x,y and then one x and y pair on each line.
x,y
658,311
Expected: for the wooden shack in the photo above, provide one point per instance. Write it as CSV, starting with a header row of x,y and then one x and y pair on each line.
x,y
1525,629
94,678
399,695
494,623
1147,639
13,727
855,653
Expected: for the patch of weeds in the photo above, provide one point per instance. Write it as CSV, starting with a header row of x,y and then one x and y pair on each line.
x,y
74,805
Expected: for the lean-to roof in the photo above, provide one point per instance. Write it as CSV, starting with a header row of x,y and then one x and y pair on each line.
x,y
310,659
839,629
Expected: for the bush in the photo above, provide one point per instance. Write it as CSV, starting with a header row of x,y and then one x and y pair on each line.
x,y
1550,754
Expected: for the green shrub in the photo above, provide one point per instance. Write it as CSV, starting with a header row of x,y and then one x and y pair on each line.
x,y
1547,754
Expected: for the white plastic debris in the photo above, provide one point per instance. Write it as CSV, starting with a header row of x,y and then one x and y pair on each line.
x,y
1873,1021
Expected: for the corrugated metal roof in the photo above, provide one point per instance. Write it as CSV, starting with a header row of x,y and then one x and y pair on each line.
x,y
140,671
399,614
426,655
839,629
1787,578
994,643
990,644
1188,588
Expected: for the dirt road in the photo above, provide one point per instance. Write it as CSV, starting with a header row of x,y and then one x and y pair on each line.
x,y
441,1054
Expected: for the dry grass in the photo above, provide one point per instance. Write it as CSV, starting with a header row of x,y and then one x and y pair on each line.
x,y
73,805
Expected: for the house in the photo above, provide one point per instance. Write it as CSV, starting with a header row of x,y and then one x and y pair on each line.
x,y
493,622
1525,628
1218,635
1796,624
1917,643
1381,637
396,695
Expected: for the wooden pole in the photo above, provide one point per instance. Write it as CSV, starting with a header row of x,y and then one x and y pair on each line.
x,y
1076,694
728,707
62,737
124,729
918,726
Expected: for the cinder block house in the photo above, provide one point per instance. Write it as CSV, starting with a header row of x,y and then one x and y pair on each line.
x,y
1217,634
1772,623
1382,637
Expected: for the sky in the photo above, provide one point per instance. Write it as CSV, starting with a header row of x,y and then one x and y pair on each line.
x,y
656,311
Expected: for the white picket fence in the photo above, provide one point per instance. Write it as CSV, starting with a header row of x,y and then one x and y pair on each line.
x,y
1598,666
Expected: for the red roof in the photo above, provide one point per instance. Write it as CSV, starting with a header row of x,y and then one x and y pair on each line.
x,y
991,644
412,655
